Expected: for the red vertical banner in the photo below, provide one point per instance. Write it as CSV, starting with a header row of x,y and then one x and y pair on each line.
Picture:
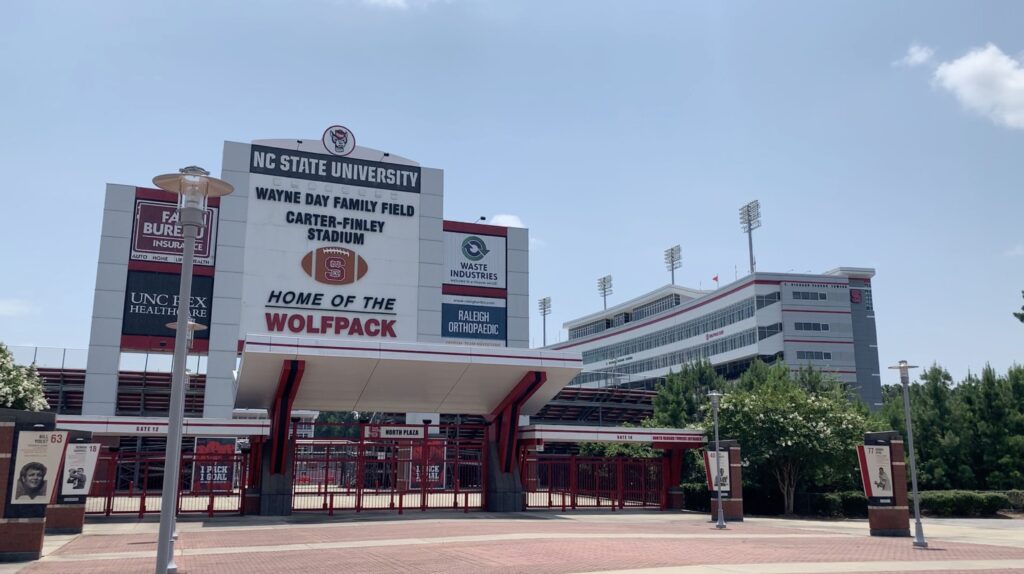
x,y
214,465
718,471
435,466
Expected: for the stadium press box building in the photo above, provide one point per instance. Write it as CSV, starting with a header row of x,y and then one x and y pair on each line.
x,y
327,253
826,321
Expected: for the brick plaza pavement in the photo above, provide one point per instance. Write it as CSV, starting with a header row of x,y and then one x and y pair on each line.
x,y
542,542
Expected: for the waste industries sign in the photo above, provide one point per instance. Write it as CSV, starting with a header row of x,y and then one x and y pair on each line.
x,y
157,235
876,474
474,320
474,259
332,246
151,301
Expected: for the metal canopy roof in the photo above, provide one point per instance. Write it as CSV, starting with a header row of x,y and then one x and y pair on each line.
x,y
398,377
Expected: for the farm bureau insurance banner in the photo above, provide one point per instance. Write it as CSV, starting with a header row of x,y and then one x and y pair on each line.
x,y
332,248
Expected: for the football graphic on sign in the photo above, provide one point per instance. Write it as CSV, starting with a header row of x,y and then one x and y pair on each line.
x,y
334,265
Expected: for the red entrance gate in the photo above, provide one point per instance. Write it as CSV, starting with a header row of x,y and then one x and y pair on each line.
x,y
133,483
391,467
570,482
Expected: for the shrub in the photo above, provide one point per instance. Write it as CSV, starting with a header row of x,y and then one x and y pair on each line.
x,y
696,496
854,504
962,503
1015,499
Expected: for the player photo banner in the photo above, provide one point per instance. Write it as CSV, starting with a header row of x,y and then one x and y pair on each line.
x,y
36,463
876,474
719,477
79,469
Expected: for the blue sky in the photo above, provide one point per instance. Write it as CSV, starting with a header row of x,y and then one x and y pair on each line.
x,y
877,134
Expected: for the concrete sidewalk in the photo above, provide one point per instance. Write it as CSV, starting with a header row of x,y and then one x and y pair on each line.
x,y
535,542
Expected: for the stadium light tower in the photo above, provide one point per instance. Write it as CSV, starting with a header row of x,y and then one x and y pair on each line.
x,y
193,185
673,260
544,306
750,219
604,287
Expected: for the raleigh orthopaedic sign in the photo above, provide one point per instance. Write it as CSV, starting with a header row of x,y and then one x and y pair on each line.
x,y
332,245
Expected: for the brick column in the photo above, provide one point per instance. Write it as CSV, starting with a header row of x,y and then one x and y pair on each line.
x,y
66,515
732,499
21,525
888,514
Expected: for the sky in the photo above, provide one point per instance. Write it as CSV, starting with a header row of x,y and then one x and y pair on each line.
x,y
874,134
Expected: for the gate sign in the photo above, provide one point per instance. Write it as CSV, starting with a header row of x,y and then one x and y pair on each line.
x,y
214,468
876,474
720,476
36,466
79,468
378,431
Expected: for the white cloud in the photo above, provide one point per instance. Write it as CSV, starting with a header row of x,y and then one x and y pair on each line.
x,y
1015,251
506,220
915,56
16,308
986,81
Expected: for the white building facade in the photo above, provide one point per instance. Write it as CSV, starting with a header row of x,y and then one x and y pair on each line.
x,y
824,321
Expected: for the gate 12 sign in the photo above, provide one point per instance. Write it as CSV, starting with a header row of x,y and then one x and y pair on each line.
x,y
876,474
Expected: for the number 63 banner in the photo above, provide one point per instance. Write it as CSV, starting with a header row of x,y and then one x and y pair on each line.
x,y
36,464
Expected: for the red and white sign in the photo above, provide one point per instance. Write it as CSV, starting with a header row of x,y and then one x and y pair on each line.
x,y
157,235
876,473
79,468
717,471
214,464
393,432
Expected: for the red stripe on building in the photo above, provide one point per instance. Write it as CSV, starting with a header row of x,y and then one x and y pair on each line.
x,y
477,228
471,291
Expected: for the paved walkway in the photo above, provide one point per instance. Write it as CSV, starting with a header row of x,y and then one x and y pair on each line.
x,y
542,542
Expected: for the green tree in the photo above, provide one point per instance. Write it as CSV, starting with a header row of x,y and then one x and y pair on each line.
x,y
795,436
20,386
337,424
682,395
1020,316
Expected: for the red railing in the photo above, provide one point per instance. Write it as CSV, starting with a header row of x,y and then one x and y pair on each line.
x,y
441,467
569,482
132,484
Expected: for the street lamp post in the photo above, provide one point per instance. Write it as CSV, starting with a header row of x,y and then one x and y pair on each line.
x,y
715,397
189,339
904,370
193,185
544,306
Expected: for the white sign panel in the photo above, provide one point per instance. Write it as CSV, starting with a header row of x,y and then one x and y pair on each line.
x,y
36,465
474,259
79,468
878,462
717,467
378,431
332,247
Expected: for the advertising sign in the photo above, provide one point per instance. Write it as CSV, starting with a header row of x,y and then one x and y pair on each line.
x,y
332,248
151,301
434,468
876,474
474,259
474,320
79,468
36,465
157,236
716,468
214,464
